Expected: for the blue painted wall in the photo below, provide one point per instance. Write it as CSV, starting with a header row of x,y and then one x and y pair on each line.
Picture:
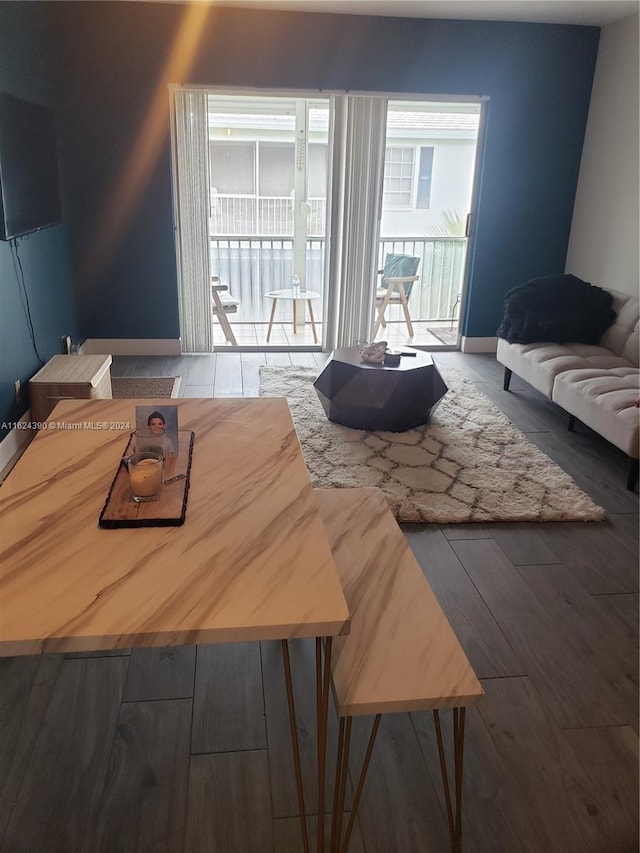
x,y
25,71
110,73
538,79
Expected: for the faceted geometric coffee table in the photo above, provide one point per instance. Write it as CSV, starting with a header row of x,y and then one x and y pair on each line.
x,y
378,398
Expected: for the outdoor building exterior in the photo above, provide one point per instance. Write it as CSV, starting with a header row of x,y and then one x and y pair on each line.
x,y
429,166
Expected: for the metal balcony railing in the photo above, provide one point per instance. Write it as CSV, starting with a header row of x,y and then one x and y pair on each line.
x,y
251,266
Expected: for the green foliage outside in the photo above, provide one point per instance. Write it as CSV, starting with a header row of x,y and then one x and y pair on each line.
x,y
453,225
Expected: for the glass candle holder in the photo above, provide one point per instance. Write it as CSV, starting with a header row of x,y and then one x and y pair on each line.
x,y
148,440
145,476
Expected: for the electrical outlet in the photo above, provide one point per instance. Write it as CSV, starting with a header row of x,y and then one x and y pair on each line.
x,y
18,389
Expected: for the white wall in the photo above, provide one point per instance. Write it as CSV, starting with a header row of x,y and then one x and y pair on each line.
x,y
604,247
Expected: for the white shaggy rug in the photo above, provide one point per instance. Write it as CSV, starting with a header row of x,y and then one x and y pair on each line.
x,y
468,464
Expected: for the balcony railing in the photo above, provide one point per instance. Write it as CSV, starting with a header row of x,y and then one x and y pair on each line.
x,y
434,297
252,266
262,216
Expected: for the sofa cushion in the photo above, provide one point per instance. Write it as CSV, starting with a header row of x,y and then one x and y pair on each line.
x,y
623,337
604,399
540,364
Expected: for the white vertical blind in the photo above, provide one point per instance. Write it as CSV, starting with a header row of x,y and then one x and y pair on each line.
x,y
191,202
357,156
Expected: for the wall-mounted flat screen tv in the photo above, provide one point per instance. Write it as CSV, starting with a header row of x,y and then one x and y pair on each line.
x,y
29,184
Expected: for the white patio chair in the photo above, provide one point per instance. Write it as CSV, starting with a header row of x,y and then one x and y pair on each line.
x,y
398,276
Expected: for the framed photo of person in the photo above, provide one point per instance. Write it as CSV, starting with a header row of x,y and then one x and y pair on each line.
x,y
157,429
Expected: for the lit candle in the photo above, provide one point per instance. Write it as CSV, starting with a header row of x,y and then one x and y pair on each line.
x,y
145,478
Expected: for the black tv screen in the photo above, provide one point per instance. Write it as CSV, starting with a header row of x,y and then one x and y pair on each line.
x,y
29,186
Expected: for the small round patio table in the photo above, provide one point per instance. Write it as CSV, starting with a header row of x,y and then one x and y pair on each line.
x,y
295,296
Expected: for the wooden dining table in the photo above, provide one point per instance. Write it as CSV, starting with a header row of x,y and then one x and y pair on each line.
x,y
250,562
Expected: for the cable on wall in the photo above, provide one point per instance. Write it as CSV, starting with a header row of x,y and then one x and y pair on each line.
x,y
17,266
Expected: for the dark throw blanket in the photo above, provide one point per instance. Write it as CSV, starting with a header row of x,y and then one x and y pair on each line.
x,y
558,309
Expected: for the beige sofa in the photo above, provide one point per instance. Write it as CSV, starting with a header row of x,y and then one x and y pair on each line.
x,y
597,385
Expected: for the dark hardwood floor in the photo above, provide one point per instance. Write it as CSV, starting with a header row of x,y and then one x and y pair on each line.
x,y
185,750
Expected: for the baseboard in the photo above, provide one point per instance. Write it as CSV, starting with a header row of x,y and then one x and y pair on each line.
x,y
131,346
478,344
14,444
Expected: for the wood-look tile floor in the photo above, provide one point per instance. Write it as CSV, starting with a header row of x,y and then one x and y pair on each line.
x,y
185,750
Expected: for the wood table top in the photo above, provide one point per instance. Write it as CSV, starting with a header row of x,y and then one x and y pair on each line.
x,y
251,561
290,293
401,653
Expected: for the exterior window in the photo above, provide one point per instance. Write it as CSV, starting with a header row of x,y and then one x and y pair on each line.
x,y
423,193
401,175
399,163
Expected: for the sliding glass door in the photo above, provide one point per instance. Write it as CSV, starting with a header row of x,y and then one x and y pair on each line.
x,y
427,199
268,201
325,189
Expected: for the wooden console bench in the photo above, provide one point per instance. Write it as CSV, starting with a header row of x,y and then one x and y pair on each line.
x,y
401,653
